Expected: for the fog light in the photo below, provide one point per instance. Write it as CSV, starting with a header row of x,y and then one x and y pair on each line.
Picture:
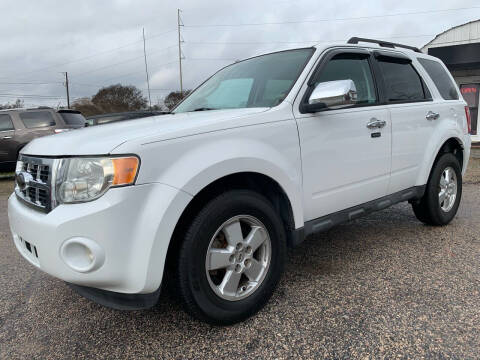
x,y
82,254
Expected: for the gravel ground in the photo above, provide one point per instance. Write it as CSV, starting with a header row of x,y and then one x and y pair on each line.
x,y
384,286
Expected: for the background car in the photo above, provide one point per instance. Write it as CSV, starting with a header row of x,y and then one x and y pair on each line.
x,y
19,126
112,117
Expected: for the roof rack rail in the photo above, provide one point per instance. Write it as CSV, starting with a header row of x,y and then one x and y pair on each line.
x,y
356,40
39,108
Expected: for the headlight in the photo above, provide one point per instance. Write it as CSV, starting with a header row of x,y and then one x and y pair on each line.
x,y
86,179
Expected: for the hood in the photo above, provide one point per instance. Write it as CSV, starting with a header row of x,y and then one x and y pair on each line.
x,y
102,139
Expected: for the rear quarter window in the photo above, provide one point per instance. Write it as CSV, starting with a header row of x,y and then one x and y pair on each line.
x,y
74,119
37,119
440,78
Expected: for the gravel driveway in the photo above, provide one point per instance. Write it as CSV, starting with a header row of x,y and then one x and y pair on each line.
x,y
381,286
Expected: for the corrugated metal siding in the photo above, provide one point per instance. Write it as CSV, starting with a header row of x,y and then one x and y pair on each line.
x,y
463,34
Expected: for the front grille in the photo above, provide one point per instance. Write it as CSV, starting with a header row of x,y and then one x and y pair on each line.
x,y
33,181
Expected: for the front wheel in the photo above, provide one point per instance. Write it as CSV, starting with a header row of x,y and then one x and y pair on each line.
x,y
442,195
231,258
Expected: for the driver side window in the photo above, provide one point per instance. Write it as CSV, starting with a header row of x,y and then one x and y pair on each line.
x,y
351,67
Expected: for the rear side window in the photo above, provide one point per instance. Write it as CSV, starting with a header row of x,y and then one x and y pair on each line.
x,y
6,122
440,78
402,82
74,119
37,119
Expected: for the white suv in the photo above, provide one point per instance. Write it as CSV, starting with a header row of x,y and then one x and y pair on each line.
x,y
265,152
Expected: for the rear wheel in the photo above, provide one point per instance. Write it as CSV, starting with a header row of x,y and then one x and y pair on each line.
x,y
231,258
442,194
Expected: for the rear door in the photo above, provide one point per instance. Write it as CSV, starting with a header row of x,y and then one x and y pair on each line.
x,y
7,140
344,162
409,102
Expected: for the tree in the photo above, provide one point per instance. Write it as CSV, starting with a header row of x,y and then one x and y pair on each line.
x,y
174,98
119,98
16,105
86,107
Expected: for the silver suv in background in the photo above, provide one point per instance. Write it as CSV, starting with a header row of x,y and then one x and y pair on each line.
x,y
20,126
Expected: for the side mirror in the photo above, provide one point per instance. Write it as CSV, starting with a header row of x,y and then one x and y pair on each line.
x,y
332,95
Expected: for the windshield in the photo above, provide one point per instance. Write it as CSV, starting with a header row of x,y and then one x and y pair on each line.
x,y
263,81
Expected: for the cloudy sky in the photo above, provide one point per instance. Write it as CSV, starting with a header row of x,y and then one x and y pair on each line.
x,y
100,42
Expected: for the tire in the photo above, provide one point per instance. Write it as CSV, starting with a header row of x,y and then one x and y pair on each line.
x,y
214,229
429,209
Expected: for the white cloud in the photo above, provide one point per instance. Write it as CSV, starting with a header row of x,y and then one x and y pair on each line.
x,y
41,39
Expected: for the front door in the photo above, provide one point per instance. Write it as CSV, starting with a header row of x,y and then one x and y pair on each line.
x,y
345,162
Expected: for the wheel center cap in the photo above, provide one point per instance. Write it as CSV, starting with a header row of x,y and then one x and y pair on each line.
x,y
240,257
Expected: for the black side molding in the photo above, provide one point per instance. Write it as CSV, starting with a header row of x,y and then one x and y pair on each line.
x,y
326,222
116,300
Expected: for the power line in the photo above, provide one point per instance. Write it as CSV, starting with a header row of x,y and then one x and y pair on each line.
x,y
135,72
97,53
31,83
81,84
32,96
213,59
329,20
125,61
295,42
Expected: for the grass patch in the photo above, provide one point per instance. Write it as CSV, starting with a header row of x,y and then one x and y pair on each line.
x,y
8,175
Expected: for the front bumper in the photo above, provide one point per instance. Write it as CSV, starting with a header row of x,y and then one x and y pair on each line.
x,y
118,301
127,232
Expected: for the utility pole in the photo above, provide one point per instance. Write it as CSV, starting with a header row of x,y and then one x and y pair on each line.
x,y
68,92
179,23
146,69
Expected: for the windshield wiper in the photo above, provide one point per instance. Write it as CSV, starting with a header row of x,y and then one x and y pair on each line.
x,y
203,109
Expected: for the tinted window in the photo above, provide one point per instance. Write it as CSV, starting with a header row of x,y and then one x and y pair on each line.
x,y
5,122
358,70
401,81
442,81
35,119
74,119
262,81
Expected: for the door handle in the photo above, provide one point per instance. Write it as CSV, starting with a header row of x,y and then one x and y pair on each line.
x,y
432,115
374,123
7,137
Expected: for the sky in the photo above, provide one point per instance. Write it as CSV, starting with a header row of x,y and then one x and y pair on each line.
x,y
99,43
